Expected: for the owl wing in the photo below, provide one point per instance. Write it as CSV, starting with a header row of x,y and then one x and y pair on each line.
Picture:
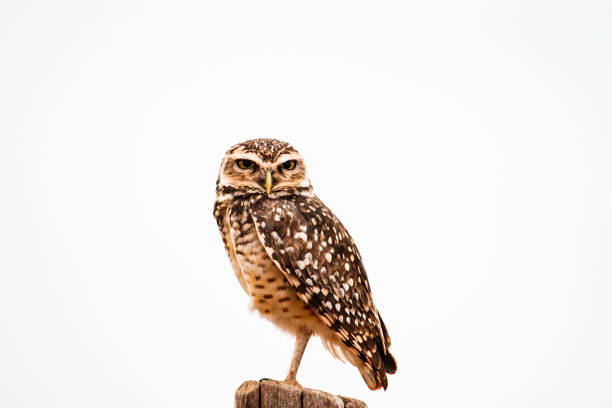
x,y
317,255
220,212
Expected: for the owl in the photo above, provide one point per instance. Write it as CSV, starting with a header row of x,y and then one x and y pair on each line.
x,y
296,261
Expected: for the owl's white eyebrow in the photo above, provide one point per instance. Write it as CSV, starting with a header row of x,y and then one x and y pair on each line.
x,y
246,156
283,158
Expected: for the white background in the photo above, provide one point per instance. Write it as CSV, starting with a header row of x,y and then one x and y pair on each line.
x,y
466,147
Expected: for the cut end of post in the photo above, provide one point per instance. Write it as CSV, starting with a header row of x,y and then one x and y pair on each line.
x,y
274,394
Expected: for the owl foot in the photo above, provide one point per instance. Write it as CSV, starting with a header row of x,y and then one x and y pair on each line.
x,y
292,381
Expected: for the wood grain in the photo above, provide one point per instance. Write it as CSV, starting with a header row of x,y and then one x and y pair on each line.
x,y
274,394
319,399
247,395
353,403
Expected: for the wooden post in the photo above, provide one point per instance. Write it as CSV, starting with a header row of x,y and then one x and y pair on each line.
x,y
273,394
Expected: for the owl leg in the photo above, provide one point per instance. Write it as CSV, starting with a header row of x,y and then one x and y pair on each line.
x,y
301,340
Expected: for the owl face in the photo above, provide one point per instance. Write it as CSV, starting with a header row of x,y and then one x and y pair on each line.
x,y
267,166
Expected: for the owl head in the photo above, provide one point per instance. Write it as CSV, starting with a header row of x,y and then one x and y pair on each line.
x,y
266,166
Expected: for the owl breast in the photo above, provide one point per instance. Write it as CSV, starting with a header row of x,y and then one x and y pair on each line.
x,y
269,291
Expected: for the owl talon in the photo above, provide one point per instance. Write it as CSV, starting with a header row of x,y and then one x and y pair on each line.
x,y
293,382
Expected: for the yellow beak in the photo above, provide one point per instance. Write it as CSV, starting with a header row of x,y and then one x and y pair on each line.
x,y
268,181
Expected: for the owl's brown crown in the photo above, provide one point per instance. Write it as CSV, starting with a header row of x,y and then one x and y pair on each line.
x,y
267,149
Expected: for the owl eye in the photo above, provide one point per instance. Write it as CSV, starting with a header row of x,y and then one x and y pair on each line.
x,y
246,164
289,165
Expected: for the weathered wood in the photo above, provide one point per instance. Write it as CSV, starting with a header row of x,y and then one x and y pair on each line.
x,y
319,399
247,395
353,403
274,394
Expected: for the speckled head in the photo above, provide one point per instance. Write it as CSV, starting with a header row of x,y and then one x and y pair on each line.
x,y
267,166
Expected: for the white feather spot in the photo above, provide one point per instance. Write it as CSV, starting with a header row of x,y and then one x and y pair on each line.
x,y
328,257
301,235
347,267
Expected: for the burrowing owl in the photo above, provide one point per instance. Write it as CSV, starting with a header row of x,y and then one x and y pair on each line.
x,y
296,261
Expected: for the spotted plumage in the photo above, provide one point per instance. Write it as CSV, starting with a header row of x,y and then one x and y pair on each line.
x,y
296,260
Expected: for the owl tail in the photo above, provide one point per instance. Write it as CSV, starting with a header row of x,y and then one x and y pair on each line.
x,y
390,364
388,359
376,377
374,371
